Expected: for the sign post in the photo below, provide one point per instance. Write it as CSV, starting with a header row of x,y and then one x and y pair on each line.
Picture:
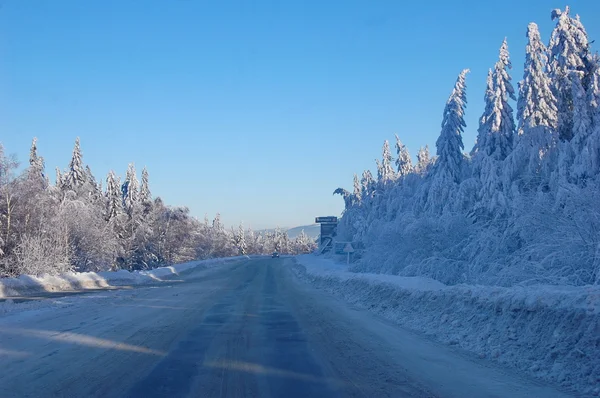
x,y
328,231
348,249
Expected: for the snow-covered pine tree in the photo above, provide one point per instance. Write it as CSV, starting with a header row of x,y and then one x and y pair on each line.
x,y
423,160
145,194
582,120
130,190
481,142
303,243
114,201
569,52
403,162
528,167
36,162
92,189
450,167
217,224
59,177
496,130
251,242
241,240
357,194
75,176
582,168
387,170
450,159
379,171
495,136
536,105
367,184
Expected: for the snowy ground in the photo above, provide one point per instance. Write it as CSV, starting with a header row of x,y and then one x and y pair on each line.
x,y
27,285
550,332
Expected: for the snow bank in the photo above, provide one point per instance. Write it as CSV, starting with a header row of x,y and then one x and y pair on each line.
x,y
550,332
26,285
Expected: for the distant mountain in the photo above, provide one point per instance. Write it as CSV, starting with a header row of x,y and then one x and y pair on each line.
x,y
312,231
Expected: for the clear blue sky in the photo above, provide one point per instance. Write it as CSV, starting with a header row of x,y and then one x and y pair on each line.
x,y
255,109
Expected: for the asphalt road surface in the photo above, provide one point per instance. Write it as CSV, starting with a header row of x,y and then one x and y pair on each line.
x,y
248,329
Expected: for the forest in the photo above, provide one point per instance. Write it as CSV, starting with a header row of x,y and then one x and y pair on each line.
x,y
521,207
77,225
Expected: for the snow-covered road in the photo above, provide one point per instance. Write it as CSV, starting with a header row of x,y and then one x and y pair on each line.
x,y
246,329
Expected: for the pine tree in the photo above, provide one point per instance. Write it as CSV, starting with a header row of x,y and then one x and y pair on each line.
x,y
481,141
242,246
569,52
582,121
536,105
387,170
59,178
92,188
423,159
449,144
497,127
130,191
145,195
379,171
403,162
530,165
36,163
76,175
367,182
357,190
113,196
583,152
217,225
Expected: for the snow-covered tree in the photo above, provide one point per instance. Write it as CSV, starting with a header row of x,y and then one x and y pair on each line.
x,y
357,190
530,164
114,200
569,52
145,195
536,105
423,159
450,159
379,167
367,183
403,161
59,178
582,168
588,160
36,162
387,170
241,240
130,190
75,176
497,128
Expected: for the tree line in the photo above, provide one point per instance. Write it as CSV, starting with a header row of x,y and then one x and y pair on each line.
x,y
522,206
77,225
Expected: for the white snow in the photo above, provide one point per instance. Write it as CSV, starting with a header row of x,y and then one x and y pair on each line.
x,y
27,285
550,332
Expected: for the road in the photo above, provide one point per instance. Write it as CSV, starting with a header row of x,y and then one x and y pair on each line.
x,y
248,329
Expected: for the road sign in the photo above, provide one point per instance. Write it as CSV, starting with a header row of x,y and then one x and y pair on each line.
x,y
328,219
348,249
328,227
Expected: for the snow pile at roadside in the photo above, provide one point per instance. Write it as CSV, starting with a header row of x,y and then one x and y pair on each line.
x,y
551,332
26,285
